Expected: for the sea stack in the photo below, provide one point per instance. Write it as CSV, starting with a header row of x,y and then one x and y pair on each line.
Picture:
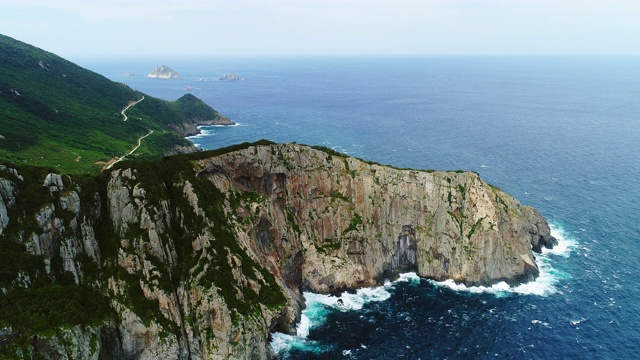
x,y
163,72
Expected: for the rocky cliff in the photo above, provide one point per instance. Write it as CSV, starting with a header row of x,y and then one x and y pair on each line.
x,y
163,72
200,256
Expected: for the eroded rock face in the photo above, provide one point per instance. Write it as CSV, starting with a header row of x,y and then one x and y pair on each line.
x,y
6,199
158,236
202,261
7,194
360,223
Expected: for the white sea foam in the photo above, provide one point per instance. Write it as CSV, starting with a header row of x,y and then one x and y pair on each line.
x,y
408,277
206,131
539,322
565,246
544,285
225,126
203,133
281,342
318,307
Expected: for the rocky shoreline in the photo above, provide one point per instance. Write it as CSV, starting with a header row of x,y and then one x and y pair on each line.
x,y
203,255
190,129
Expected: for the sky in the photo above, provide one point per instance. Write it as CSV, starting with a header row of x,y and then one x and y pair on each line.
x,y
121,28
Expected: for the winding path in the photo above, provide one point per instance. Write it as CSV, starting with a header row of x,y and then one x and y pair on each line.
x,y
139,139
128,106
130,152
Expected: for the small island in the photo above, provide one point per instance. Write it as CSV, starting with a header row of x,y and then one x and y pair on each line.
x,y
163,72
230,77
199,113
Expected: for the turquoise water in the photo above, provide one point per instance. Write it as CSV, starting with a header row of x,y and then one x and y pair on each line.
x,y
558,133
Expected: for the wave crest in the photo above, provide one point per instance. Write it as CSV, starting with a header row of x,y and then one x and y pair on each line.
x,y
544,285
318,306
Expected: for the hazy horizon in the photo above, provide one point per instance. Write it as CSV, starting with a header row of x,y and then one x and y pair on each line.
x,y
277,28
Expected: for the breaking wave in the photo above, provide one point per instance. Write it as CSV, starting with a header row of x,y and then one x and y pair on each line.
x,y
544,285
319,306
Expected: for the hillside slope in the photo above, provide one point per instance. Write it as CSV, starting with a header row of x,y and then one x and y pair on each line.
x,y
57,114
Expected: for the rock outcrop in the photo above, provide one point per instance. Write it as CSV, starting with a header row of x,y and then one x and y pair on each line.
x,y
192,129
163,72
202,256
358,223
230,77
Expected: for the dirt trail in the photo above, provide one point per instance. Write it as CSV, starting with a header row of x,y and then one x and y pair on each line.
x,y
128,106
130,152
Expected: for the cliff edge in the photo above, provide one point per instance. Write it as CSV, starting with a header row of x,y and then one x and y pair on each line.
x,y
202,255
357,223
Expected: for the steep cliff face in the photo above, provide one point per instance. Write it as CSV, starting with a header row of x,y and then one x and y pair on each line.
x,y
201,258
174,239
358,223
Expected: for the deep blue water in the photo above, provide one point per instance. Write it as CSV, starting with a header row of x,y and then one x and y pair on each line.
x,y
559,133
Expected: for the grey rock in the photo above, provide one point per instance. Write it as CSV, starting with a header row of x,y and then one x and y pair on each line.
x,y
70,201
53,182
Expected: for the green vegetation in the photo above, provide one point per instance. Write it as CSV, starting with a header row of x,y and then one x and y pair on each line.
x,y
291,218
42,309
459,217
497,191
353,225
475,227
338,195
162,180
194,108
327,245
54,113
199,155
16,260
159,179
244,198
330,151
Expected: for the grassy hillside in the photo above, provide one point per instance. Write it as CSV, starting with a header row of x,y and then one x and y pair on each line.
x,y
57,114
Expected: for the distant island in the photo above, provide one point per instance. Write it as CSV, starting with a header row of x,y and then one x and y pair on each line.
x,y
230,77
163,72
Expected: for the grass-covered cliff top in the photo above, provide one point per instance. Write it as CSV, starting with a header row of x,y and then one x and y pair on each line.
x,y
57,114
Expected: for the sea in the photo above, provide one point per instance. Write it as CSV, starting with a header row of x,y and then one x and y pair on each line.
x,y
560,133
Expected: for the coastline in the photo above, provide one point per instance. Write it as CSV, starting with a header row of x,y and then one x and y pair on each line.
x,y
191,130
199,132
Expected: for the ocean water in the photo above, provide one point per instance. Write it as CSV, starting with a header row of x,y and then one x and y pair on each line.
x,y
558,133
